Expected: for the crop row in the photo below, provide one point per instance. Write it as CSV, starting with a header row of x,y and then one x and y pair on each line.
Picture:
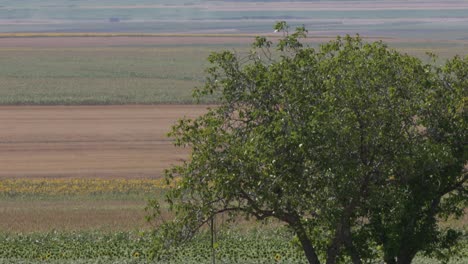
x,y
272,246
72,187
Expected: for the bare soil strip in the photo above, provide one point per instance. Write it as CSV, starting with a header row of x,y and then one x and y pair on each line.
x,y
89,141
45,216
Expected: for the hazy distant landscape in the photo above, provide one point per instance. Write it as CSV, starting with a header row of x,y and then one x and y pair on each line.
x,y
415,19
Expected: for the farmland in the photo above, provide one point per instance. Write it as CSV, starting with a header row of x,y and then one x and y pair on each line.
x,y
89,90
76,168
132,247
75,181
132,70
77,178
100,75
52,210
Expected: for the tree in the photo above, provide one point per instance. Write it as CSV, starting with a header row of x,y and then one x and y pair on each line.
x,y
354,146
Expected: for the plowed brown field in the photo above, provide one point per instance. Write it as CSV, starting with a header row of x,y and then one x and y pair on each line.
x,y
89,141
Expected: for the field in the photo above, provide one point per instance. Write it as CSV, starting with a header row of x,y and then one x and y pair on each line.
x,y
97,74
83,145
89,90
75,181
132,70
91,167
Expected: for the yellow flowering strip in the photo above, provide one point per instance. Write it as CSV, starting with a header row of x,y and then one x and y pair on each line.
x,y
64,186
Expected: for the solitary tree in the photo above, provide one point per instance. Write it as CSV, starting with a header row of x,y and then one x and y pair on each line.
x,y
357,148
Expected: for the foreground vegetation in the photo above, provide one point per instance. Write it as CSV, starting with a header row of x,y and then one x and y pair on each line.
x,y
127,241
272,246
231,247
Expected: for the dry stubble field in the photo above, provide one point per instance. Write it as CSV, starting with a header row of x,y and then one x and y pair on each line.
x,y
89,141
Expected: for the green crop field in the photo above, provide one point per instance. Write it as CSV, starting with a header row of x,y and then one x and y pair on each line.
x,y
133,247
118,75
130,73
267,246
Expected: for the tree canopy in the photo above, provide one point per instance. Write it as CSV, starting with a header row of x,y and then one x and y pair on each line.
x,y
357,148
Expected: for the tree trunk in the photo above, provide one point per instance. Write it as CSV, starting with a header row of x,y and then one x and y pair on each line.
x,y
389,260
334,249
343,238
405,258
343,229
294,221
348,242
309,250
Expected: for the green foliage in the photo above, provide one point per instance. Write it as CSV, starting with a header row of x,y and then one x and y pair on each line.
x,y
354,146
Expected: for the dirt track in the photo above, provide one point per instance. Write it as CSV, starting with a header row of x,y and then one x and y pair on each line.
x,y
89,141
